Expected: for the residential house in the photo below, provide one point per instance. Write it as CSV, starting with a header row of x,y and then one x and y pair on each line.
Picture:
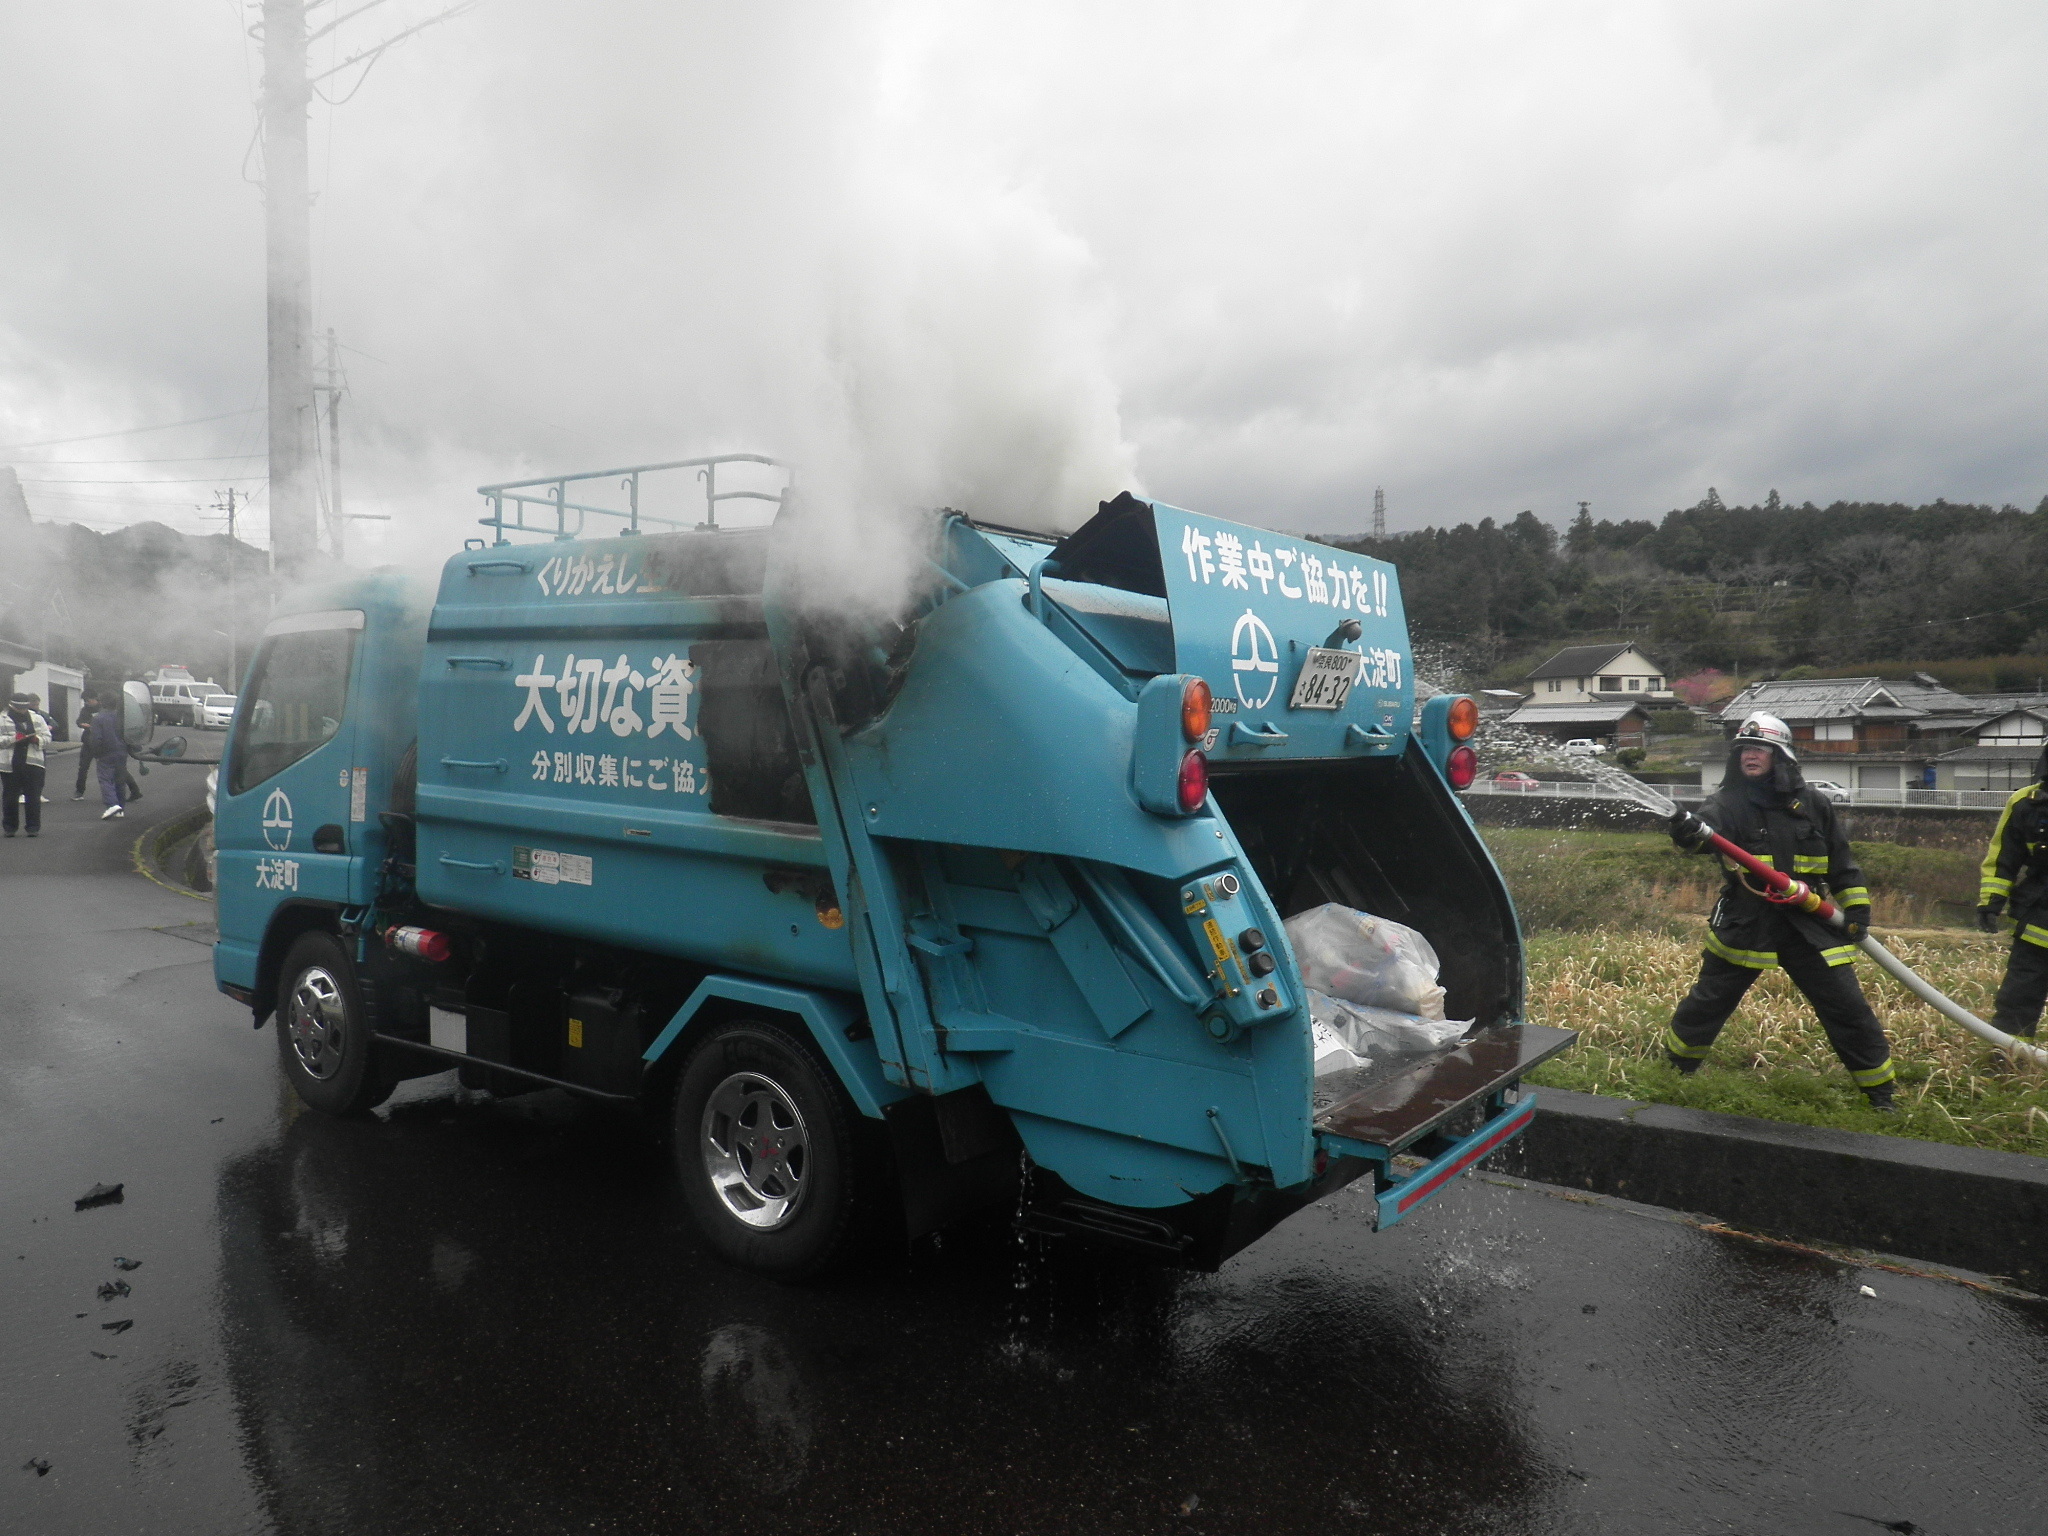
x,y
1595,691
2000,748
1605,674
1866,733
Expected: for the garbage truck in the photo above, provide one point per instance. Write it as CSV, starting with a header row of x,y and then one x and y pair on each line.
x,y
880,915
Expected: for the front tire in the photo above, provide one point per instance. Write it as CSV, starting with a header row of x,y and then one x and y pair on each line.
x,y
766,1147
323,1030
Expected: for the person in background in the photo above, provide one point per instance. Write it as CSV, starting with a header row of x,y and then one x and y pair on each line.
x,y
35,702
88,707
23,736
2015,885
1765,808
110,758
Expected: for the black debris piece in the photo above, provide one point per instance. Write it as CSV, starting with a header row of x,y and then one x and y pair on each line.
x,y
99,1194
99,1356
127,1263
78,1314
216,1120
121,1327
40,1465
109,1289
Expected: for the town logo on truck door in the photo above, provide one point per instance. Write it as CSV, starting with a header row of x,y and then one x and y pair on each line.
x,y
633,701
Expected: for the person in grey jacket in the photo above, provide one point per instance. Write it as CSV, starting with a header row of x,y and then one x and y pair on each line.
x,y
24,734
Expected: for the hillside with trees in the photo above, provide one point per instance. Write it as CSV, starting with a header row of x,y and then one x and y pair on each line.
x,y
1759,590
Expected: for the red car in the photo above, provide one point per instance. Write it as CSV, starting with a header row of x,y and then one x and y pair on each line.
x,y
1515,781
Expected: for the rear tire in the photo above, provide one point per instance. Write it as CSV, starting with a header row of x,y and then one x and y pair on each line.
x,y
323,1029
766,1144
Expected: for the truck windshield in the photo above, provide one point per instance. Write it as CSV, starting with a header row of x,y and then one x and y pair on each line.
x,y
299,688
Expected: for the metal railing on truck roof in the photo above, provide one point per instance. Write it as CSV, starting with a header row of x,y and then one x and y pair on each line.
x,y
556,503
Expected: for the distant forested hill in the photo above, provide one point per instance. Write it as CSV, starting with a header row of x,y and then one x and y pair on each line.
x,y
1746,589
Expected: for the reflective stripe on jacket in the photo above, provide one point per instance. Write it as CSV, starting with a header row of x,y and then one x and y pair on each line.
x,y
1804,839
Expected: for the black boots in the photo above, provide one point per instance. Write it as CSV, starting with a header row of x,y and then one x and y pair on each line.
x,y
1685,1065
1881,1099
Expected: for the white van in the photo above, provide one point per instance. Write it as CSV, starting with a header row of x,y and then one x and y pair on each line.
x,y
175,703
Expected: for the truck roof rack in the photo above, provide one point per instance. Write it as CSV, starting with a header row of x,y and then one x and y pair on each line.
x,y
548,495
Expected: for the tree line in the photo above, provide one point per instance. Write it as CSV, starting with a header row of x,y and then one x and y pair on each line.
x,y
1751,589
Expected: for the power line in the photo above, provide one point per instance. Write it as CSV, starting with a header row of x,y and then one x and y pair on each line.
x,y
183,480
95,437
204,458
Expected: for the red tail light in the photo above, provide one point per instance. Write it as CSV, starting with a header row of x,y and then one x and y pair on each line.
x,y
1193,787
1462,767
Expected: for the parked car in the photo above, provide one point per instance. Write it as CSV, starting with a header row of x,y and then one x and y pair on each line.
x,y
1835,792
1521,782
180,703
218,711
1584,746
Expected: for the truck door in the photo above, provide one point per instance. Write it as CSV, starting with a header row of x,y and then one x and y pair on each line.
x,y
283,805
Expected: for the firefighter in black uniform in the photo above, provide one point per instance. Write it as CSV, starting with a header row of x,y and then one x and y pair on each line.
x,y
2015,885
1765,808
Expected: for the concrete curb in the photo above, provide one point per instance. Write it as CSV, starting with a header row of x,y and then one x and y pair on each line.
x,y
150,846
1961,1206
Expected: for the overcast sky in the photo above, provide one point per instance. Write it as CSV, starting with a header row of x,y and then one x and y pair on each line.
x,y
1252,259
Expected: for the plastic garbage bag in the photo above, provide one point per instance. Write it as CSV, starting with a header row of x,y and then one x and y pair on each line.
x,y
1374,1032
1332,1054
1358,958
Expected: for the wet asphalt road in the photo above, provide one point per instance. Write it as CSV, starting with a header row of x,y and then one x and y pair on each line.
x,y
468,1315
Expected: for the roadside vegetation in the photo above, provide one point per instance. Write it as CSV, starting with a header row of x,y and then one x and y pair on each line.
x,y
1614,923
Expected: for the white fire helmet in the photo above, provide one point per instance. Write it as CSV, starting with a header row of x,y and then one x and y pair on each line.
x,y
1764,730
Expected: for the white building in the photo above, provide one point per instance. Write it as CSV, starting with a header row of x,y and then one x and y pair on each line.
x,y
1603,674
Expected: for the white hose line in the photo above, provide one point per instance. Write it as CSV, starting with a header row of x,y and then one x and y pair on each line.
x,y
1908,978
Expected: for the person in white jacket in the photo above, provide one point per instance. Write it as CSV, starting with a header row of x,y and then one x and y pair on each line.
x,y
24,734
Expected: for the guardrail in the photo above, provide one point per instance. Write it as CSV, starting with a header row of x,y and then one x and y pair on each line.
x,y
1691,794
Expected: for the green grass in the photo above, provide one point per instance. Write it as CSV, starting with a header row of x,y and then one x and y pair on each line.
x,y
1578,880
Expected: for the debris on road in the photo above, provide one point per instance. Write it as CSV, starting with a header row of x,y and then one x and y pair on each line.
x,y
121,1327
109,1289
97,1355
121,1263
40,1465
1865,1290
99,1194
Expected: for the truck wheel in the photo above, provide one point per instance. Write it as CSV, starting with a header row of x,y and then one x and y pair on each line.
x,y
323,1035
765,1145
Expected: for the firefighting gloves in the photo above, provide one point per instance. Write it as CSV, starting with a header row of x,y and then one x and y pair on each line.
x,y
1688,831
1856,922
1989,913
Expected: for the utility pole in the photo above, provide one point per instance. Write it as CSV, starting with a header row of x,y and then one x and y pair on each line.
x,y
287,209
332,389
1379,512
234,612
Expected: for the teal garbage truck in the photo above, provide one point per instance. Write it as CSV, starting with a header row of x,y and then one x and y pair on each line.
x,y
879,913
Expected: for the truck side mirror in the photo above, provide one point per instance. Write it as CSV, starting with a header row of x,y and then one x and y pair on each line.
x,y
138,715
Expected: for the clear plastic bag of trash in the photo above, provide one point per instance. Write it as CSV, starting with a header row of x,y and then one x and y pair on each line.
x,y
1367,1033
1331,1053
1375,962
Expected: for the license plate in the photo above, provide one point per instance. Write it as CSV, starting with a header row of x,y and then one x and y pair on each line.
x,y
1326,679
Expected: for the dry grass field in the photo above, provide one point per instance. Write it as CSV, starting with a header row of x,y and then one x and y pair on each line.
x,y
1614,941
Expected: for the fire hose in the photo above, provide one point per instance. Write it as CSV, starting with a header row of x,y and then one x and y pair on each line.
x,y
1783,890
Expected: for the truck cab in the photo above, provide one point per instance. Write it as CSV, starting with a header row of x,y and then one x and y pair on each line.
x,y
875,910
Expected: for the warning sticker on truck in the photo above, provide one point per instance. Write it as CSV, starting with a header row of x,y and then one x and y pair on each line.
x,y
545,866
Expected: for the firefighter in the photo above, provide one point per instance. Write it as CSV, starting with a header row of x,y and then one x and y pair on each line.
x,y
2015,885
1765,808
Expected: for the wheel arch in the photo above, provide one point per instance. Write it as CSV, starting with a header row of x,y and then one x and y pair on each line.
x,y
286,924
824,1016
